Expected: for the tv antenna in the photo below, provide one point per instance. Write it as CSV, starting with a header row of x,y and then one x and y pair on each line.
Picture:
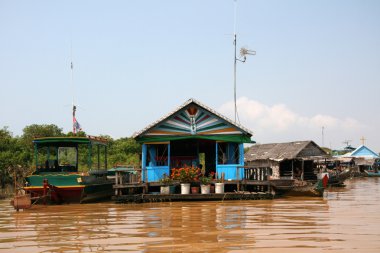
x,y
76,125
347,142
243,57
323,136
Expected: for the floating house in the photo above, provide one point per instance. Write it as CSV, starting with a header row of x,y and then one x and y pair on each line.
x,y
363,157
291,160
192,135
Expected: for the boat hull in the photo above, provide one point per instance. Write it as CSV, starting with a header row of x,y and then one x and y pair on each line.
x,y
291,187
72,188
372,173
338,178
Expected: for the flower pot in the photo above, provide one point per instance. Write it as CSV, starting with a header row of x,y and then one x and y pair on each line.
x,y
212,188
219,187
165,190
205,188
195,189
185,188
172,189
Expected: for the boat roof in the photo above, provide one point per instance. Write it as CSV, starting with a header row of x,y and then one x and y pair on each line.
x,y
72,140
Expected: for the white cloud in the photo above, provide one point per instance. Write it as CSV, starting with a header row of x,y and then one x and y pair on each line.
x,y
272,123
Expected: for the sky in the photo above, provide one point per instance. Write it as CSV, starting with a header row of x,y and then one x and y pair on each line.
x,y
317,65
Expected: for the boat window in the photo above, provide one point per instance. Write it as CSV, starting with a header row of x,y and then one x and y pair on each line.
x,y
67,157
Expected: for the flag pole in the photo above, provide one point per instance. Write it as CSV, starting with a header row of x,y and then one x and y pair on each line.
x,y
72,86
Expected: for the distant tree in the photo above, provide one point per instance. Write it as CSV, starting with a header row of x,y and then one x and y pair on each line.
x,y
79,134
327,150
37,131
34,131
12,154
124,151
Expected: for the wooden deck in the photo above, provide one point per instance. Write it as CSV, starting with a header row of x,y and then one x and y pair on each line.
x,y
143,198
254,185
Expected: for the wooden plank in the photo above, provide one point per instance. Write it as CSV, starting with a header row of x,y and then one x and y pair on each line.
x,y
138,198
128,186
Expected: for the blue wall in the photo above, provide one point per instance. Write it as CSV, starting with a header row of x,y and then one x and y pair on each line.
x,y
155,173
230,169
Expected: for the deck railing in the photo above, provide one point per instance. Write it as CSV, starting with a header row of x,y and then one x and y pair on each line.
x,y
253,173
132,176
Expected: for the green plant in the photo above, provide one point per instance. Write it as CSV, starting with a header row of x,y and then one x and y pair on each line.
x,y
220,179
206,180
166,180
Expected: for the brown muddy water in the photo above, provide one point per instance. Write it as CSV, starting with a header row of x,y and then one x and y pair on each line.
x,y
345,220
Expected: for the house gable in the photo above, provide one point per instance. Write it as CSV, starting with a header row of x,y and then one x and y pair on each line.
x,y
363,151
311,150
194,120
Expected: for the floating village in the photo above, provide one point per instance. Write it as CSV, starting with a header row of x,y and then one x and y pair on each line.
x,y
191,154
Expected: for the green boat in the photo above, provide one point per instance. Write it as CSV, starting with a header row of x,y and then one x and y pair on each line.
x,y
69,170
372,173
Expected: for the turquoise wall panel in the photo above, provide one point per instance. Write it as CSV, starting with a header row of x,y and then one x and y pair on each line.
x,y
156,173
229,171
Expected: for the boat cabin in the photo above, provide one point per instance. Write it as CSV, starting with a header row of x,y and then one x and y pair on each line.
x,y
69,154
192,135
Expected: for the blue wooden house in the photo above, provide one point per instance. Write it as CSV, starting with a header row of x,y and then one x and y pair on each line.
x,y
363,152
192,135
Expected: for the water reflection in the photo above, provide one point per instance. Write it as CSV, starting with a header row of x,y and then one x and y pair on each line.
x,y
346,219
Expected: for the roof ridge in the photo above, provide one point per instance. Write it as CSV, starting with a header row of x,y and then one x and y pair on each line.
x,y
189,101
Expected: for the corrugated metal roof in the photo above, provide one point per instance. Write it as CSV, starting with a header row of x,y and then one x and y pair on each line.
x,y
282,151
188,102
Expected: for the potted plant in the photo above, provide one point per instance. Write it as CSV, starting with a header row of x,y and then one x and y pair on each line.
x,y
219,185
206,183
166,185
185,175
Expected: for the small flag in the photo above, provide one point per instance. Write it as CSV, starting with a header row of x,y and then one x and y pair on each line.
x,y
76,126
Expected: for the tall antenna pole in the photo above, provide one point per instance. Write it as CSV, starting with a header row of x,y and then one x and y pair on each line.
x,y
243,53
72,86
235,106
323,136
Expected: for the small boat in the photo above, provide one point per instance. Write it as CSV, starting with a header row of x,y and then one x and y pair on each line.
x,y
372,173
337,178
69,170
295,187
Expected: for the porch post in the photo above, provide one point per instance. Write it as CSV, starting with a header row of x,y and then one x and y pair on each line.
x,y
241,154
292,168
36,155
143,161
105,157
98,150
169,158
89,156
216,153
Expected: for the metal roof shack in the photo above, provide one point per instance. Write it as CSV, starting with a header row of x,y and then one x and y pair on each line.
x,y
287,160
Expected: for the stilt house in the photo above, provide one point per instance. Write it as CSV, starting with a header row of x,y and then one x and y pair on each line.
x,y
292,160
192,135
